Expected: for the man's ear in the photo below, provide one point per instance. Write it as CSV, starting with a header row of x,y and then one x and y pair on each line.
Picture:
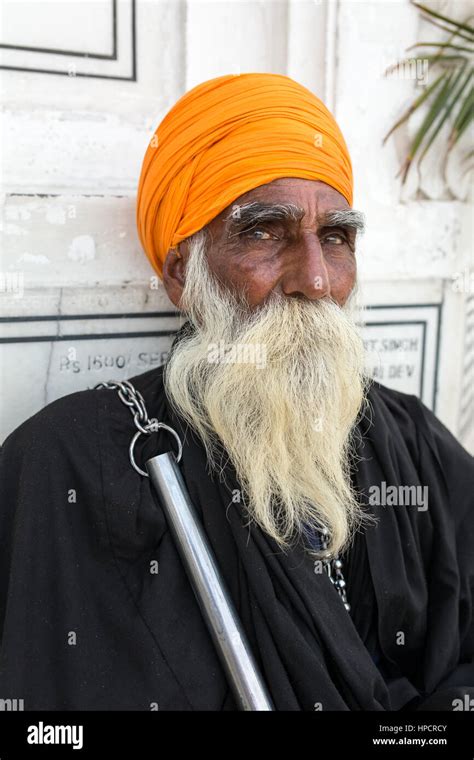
x,y
174,274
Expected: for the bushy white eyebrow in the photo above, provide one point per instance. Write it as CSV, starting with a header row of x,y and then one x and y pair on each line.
x,y
250,214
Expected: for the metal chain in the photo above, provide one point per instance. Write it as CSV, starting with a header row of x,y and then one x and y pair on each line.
x,y
145,425
333,567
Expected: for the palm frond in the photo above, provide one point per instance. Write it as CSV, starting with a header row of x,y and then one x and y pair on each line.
x,y
458,87
442,45
450,97
430,117
416,104
457,24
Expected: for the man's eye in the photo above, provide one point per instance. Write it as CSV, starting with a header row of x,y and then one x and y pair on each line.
x,y
257,234
335,239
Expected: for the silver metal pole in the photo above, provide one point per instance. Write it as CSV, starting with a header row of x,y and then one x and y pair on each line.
x,y
209,587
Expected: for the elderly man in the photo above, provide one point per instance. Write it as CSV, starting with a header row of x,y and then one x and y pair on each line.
x,y
301,469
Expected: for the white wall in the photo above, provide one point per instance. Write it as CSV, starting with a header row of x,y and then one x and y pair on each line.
x,y
78,111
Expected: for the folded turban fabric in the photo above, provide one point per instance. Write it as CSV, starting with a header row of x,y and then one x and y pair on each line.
x,y
225,137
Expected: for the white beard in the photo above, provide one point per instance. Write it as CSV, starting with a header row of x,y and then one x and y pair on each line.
x,y
284,407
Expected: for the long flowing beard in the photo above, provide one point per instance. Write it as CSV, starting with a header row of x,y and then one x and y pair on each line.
x,y
279,388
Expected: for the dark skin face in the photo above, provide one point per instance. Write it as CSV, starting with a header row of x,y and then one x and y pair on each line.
x,y
304,257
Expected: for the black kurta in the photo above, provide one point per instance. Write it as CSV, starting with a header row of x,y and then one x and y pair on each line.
x,y
87,624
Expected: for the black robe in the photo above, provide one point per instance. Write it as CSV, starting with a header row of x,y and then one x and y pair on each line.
x,y
87,623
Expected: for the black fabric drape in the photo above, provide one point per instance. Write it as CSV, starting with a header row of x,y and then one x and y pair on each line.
x,y
87,624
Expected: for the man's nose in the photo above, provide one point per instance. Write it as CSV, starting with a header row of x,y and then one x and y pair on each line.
x,y
307,274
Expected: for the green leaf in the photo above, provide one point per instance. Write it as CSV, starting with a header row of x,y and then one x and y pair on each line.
x,y
416,104
463,119
440,59
455,94
442,45
453,33
432,114
465,27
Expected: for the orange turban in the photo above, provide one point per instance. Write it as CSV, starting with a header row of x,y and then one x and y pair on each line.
x,y
225,137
